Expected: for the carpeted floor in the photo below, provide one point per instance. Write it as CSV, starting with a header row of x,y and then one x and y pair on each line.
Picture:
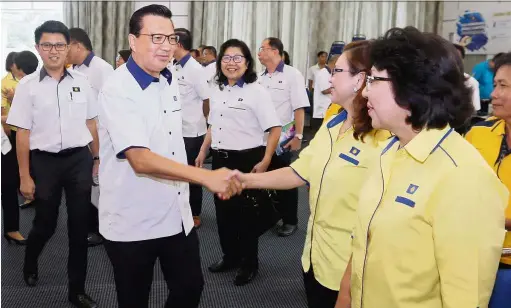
x,y
279,283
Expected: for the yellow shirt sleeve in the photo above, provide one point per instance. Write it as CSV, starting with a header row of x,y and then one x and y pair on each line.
x,y
468,232
302,165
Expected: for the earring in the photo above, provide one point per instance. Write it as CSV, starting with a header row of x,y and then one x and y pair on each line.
x,y
355,90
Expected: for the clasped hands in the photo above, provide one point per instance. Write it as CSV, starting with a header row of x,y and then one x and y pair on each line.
x,y
225,183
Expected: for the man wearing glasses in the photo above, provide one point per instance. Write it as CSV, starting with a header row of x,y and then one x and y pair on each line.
x,y
54,110
144,209
286,86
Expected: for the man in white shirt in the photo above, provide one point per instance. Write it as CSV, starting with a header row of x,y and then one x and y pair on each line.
x,y
322,96
97,70
311,73
194,97
286,86
144,211
209,57
54,110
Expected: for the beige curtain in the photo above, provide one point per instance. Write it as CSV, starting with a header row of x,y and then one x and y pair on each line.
x,y
106,22
306,27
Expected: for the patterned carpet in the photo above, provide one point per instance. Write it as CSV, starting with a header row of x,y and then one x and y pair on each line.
x,y
279,283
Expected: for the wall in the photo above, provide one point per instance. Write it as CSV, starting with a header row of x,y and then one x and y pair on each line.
x,y
179,11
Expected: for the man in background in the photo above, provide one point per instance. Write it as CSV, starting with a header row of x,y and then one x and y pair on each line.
x,y
484,73
322,96
83,59
209,62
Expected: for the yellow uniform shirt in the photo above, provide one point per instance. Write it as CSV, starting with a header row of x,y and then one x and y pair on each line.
x,y
8,82
335,169
430,226
332,110
488,137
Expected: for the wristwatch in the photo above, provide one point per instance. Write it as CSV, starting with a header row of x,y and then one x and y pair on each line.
x,y
299,136
95,158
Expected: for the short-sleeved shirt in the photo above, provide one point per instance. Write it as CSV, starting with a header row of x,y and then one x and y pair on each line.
x,y
286,89
321,101
311,74
96,69
137,110
489,138
429,227
240,115
8,82
483,73
55,111
193,90
335,168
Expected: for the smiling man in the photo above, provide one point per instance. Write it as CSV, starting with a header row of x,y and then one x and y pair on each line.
x,y
54,110
144,209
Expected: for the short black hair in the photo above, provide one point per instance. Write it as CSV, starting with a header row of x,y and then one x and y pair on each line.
x,y
250,75
322,53
125,54
152,9
497,56
185,38
9,61
287,60
426,76
79,35
51,26
276,43
195,52
210,49
461,49
503,60
26,61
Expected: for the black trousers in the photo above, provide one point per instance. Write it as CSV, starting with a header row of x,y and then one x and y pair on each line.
x,y
10,185
234,216
93,220
287,200
133,264
315,125
318,296
193,146
70,170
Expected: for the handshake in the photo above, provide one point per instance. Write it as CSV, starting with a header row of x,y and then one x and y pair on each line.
x,y
226,183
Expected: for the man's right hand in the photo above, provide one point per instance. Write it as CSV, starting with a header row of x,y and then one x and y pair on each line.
x,y
223,184
199,161
27,187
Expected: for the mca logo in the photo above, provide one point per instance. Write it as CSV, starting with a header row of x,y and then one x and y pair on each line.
x,y
412,189
354,151
76,89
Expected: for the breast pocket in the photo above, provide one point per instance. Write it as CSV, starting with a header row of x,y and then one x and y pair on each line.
x,y
77,103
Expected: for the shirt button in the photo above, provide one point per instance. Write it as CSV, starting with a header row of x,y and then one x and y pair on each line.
x,y
172,153
170,133
224,102
178,192
219,141
220,128
164,111
221,115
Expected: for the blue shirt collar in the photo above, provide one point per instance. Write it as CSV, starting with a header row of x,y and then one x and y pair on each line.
x,y
88,59
238,83
143,78
184,59
279,68
337,119
43,73
208,63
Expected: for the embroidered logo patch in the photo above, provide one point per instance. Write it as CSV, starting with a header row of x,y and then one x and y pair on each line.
x,y
354,151
412,189
76,89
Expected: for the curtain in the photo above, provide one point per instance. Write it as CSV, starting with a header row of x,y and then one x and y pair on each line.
x,y
306,27
107,24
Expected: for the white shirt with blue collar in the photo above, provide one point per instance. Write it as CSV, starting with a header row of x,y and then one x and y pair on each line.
x,y
137,110
96,69
193,90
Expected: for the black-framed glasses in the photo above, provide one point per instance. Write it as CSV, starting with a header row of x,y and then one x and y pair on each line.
x,y
236,59
50,46
160,38
340,70
371,79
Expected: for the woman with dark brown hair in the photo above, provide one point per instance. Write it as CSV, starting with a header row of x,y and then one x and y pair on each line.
x,y
334,166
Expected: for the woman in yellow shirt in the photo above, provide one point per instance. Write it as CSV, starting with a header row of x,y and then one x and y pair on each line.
x,y
334,166
430,223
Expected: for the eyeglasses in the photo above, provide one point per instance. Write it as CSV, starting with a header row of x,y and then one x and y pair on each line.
x,y
371,79
340,70
236,59
49,46
160,38
266,48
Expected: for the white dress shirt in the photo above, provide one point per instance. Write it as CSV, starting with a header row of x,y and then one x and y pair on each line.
x,y
240,115
311,74
287,91
472,83
96,69
193,90
54,111
138,110
321,101
210,69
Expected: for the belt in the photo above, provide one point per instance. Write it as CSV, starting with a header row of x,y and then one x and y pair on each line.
x,y
504,266
226,153
63,153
